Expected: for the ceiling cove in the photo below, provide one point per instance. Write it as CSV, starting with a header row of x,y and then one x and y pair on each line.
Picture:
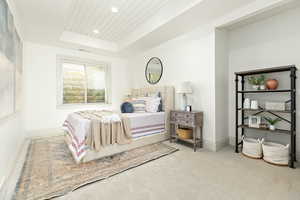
x,y
95,18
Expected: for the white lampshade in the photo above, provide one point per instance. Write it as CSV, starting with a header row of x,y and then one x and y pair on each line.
x,y
185,88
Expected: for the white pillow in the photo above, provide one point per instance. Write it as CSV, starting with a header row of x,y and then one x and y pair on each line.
x,y
152,104
139,104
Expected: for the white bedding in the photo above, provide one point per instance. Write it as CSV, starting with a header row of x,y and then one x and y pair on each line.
x,y
77,128
142,124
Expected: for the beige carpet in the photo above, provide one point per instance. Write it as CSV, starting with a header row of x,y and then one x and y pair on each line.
x,y
49,170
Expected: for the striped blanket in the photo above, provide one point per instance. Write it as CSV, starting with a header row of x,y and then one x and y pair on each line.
x,y
94,130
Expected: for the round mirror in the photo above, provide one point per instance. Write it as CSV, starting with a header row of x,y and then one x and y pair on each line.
x,y
154,70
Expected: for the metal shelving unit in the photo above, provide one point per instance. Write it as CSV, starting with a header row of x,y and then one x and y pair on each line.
x,y
240,78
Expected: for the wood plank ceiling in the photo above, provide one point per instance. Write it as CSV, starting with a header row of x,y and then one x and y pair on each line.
x,y
85,16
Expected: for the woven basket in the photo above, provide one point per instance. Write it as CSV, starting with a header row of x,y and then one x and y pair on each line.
x,y
252,148
275,153
185,133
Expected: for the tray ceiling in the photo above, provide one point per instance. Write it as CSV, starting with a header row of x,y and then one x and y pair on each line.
x,y
139,24
86,16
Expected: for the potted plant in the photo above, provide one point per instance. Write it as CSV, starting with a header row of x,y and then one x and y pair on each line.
x,y
257,82
254,82
261,80
272,122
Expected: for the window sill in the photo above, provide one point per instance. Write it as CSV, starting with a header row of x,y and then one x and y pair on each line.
x,y
83,105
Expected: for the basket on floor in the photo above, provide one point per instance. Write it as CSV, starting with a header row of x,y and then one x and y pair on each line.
x,y
252,148
185,133
275,153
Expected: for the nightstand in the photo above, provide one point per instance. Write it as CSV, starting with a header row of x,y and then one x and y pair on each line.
x,y
193,120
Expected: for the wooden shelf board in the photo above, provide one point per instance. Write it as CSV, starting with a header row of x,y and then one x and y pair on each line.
x,y
265,129
267,70
186,140
265,110
263,91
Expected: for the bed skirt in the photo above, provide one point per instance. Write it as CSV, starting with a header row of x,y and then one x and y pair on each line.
x,y
117,148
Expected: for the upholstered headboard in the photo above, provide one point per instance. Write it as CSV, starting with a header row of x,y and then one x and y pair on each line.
x,y
167,95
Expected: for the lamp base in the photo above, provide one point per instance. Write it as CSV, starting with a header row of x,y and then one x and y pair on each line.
x,y
184,102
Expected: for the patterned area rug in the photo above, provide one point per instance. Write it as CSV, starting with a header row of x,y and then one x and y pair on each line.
x,y
50,171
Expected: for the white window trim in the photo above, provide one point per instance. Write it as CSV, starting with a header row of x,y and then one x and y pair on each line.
x,y
59,79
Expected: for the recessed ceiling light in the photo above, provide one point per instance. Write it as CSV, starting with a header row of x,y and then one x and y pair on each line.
x,y
96,31
114,9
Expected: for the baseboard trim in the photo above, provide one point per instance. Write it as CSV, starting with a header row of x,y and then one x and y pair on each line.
x,y
207,144
12,179
220,144
215,146
232,140
2,190
44,132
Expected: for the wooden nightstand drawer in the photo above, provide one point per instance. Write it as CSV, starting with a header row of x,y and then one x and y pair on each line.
x,y
182,116
185,122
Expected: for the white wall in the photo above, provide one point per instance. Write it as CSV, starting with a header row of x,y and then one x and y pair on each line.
x,y
270,42
186,58
40,64
12,137
11,130
221,91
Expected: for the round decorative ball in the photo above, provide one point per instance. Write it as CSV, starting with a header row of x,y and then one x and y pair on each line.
x,y
272,84
127,107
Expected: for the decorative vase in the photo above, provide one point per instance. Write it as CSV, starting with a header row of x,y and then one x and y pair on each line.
x,y
272,127
272,84
262,87
255,87
247,103
254,104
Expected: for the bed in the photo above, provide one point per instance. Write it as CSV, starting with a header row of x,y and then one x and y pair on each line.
x,y
145,128
146,124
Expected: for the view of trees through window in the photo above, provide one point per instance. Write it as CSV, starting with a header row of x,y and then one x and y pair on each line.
x,y
83,84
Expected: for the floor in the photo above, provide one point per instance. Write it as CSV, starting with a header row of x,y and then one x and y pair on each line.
x,y
205,175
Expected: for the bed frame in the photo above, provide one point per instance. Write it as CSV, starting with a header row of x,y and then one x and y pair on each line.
x,y
167,95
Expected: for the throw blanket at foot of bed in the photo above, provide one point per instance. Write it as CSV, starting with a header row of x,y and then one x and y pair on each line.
x,y
95,130
106,128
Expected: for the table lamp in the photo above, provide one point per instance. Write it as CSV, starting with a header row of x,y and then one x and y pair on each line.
x,y
184,89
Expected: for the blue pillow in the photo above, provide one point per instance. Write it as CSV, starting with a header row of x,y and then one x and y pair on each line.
x,y
127,107
160,108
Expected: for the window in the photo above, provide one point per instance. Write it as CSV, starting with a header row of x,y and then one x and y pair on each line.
x,y
83,82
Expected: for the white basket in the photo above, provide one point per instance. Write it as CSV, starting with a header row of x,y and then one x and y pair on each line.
x,y
252,147
276,153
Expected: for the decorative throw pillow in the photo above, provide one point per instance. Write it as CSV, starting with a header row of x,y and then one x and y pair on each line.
x,y
160,106
152,104
139,104
127,107
157,94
